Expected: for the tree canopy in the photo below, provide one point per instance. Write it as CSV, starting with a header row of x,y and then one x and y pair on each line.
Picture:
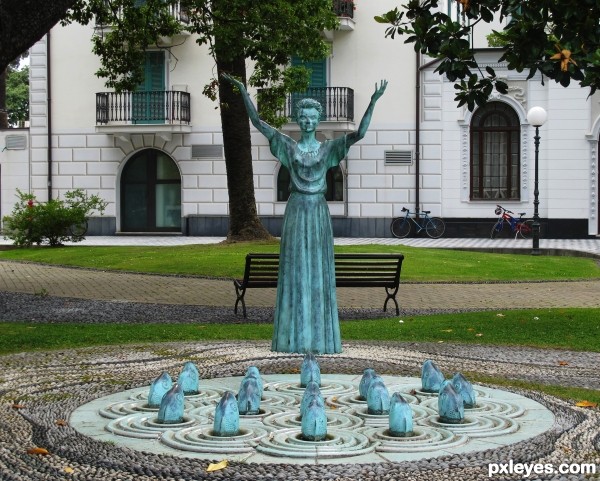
x,y
17,96
24,22
560,39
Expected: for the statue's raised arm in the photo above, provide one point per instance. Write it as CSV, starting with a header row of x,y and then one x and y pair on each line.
x,y
261,125
366,120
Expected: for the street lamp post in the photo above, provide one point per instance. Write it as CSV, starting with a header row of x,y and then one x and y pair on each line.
x,y
536,117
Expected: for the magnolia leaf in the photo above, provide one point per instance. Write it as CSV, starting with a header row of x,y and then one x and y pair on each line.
x,y
586,404
217,466
18,406
479,334
43,451
499,315
446,330
68,470
60,422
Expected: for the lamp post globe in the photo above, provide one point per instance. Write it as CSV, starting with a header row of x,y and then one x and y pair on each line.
x,y
536,117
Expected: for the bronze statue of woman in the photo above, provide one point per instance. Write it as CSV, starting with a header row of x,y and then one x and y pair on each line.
x,y
306,315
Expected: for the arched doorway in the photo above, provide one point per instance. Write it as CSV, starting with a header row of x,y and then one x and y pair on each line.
x,y
150,193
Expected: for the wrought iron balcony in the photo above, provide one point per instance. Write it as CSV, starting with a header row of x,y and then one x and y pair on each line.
x,y
344,8
143,107
337,103
177,11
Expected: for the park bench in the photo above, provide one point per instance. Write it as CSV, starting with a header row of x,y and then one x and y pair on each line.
x,y
351,270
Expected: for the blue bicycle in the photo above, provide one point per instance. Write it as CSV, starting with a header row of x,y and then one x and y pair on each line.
x,y
434,226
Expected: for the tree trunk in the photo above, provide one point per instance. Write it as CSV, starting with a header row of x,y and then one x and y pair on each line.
x,y
3,111
24,22
244,223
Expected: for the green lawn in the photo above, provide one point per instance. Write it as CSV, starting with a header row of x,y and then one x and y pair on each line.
x,y
227,260
577,329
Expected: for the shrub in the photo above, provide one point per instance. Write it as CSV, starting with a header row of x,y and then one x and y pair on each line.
x,y
53,222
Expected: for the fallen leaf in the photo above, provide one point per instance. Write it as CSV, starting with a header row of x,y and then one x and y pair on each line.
x,y
471,329
563,363
446,330
18,406
60,422
69,470
440,342
413,391
586,404
43,451
216,466
478,334
499,315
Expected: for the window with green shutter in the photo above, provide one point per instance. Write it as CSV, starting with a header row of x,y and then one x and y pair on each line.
x,y
318,82
148,102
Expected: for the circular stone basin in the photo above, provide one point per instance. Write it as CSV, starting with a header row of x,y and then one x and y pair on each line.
x,y
501,418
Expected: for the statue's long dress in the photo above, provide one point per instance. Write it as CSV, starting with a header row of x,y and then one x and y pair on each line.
x,y
306,316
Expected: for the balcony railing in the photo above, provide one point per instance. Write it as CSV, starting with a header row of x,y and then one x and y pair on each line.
x,y
143,107
343,8
176,10
337,103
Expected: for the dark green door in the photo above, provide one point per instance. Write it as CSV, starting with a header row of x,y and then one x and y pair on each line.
x,y
150,193
148,103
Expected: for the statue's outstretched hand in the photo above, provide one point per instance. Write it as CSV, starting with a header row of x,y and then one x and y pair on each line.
x,y
379,90
233,81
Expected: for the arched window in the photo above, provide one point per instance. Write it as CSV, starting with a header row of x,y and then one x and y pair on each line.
x,y
495,153
335,184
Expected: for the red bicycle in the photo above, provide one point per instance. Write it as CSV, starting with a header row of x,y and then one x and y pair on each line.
x,y
519,227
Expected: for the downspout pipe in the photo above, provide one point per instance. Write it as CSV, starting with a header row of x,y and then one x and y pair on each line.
x,y
417,132
49,111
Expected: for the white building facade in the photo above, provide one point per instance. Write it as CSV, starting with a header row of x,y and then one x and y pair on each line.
x,y
165,172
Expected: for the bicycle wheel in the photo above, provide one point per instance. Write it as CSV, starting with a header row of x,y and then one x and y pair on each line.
x,y
496,229
79,230
400,227
525,229
435,227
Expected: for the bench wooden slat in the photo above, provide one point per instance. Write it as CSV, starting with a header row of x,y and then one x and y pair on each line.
x,y
351,270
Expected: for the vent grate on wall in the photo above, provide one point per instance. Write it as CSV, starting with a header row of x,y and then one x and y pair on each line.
x,y
16,142
207,151
398,157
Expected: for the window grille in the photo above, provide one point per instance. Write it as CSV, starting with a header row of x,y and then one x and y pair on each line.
x,y
16,142
398,157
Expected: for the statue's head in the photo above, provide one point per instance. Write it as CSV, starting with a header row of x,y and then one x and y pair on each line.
x,y
308,111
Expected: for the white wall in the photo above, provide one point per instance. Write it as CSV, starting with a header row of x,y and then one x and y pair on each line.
x,y
14,168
